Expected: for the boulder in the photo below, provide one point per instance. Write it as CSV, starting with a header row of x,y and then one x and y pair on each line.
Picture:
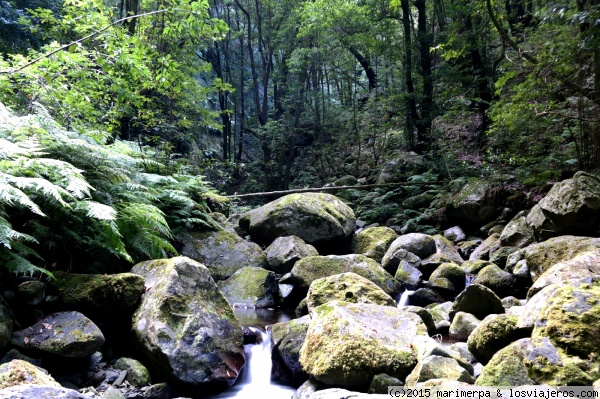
x,y
424,315
542,227
30,391
427,347
252,287
284,252
438,367
540,257
20,372
348,344
500,256
222,252
500,282
571,319
307,270
137,373
348,287
6,324
66,334
455,234
424,297
478,300
534,361
452,272
475,266
446,247
401,259
381,382
510,301
319,219
429,264
463,325
32,292
307,389
441,316
478,202
98,294
573,205
443,287
494,333
485,250
185,327
585,265
409,275
286,340
420,244
404,164
517,233
373,242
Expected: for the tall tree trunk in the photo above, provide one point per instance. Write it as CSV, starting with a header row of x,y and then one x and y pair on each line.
x,y
366,66
425,42
411,103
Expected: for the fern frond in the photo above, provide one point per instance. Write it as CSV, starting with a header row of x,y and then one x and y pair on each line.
x,y
14,197
97,210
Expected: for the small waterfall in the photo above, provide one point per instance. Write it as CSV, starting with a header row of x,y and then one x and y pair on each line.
x,y
469,278
403,300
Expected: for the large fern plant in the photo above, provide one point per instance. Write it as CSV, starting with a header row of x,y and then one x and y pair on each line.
x,y
69,201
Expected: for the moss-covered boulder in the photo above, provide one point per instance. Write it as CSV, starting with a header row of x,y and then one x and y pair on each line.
x,y
478,202
425,297
66,334
29,391
427,347
348,344
540,257
517,233
438,367
499,281
534,361
380,383
6,324
319,219
425,316
463,325
401,259
32,292
409,275
98,294
137,374
485,250
420,244
284,252
446,247
307,270
441,316
478,300
348,287
585,265
373,242
185,327
216,202
20,372
452,272
475,266
222,252
573,205
501,255
494,333
286,340
404,164
571,319
251,287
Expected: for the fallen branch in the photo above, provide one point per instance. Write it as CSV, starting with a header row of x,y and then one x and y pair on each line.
x,y
338,188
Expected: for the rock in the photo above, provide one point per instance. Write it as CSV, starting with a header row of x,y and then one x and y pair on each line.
x,y
30,391
137,373
20,372
571,319
463,325
500,282
485,250
66,334
6,324
251,287
319,219
427,347
373,242
500,256
542,227
585,265
438,367
216,202
466,248
185,327
307,389
286,340
534,361
494,333
446,247
517,233
478,300
452,272
284,252
424,297
32,292
540,257
443,287
573,205
401,259
410,276
477,203
306,270
419,244
455,234
223,253
424,315
441,316
475,266
113,393
381,382
348,344
429,264
496,229
98,294
510,301
463,350
348,287
14,354
405,164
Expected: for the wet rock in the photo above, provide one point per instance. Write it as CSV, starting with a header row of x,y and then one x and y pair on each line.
x,y
286,341
251,287
185,327
284,252
463,325
373,242
319,219
478,300
67,334
223,253
424,297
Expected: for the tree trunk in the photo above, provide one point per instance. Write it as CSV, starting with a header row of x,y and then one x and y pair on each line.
x,y
425,42
411,103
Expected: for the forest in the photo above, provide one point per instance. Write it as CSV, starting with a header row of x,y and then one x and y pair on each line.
x,y
134,131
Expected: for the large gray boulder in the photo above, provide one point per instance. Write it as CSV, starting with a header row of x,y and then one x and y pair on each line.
x,y
286,341
502,283
317,218
222,252
517,233
253,287
348,344
66,334
420,244
373,242
438,367
494,333
185,327
573,205
478,300
284,252
478,202
445,247
30,391
463,325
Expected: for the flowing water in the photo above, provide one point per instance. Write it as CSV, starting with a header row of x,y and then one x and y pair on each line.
x,y
469,278
403,300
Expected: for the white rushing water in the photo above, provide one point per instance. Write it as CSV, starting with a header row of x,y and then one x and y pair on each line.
x,y
403,300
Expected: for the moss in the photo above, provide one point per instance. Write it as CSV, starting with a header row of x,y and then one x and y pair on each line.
x,y
493,334
373,242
